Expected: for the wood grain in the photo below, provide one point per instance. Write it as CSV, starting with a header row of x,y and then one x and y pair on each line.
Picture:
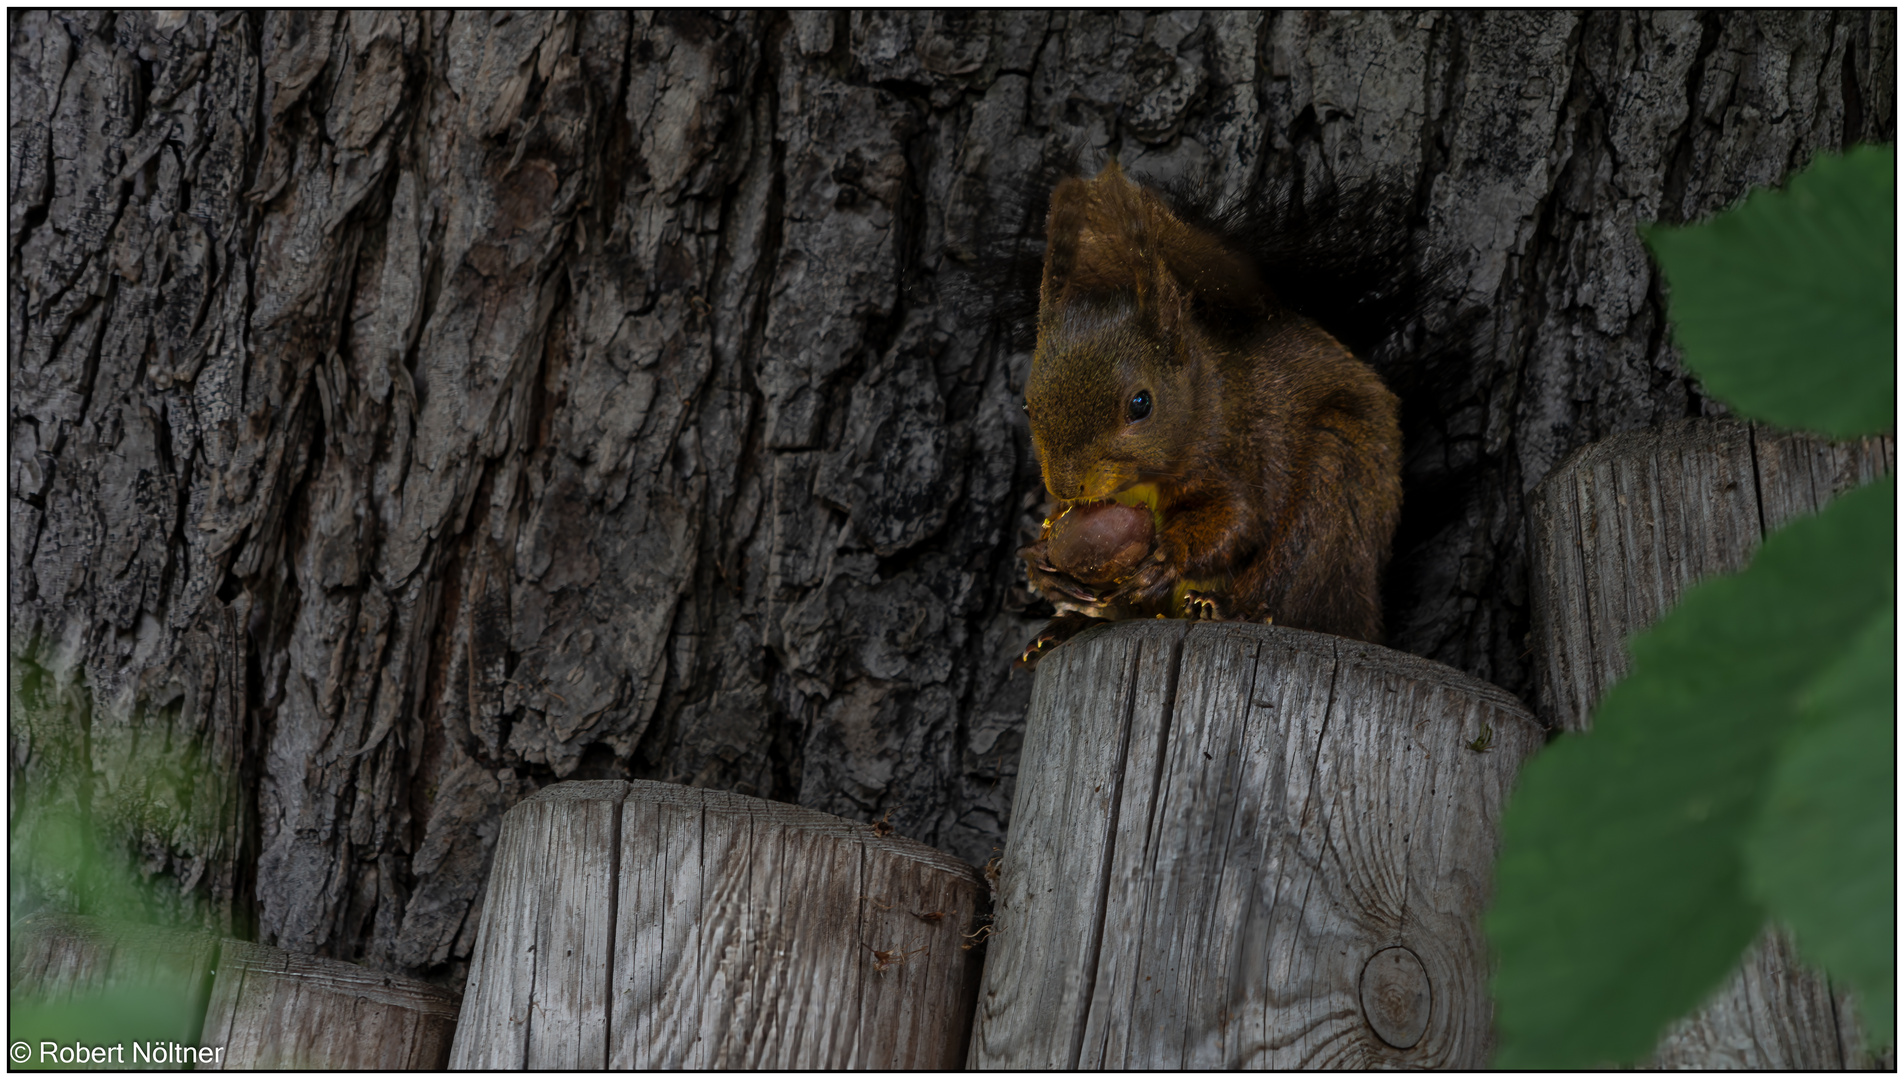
x,y
1222,827
99,965
1771,1014
1622,528
1617,533
267,1008
1396,996
271,1009
639,925
56,957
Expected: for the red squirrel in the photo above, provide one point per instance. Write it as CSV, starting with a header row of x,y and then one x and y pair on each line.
x,y
1208,452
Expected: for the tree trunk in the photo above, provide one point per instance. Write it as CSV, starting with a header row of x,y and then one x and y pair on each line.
x,y
410,410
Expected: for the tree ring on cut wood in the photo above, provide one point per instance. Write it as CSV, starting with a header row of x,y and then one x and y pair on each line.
x,y
1396,997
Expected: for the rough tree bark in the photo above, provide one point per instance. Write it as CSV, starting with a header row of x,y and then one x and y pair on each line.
x,y
411,410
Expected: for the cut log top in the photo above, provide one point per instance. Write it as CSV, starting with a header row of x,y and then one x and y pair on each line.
x,y
766,811
272,1009
1248,846
633,924
243,959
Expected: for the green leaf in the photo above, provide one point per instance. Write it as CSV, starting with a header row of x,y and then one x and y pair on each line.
x,y
1823,856
1621,900
1784,305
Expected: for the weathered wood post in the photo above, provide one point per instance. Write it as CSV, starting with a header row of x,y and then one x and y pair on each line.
x,y
637,925
1248,846
249,1006
1617,533
272,1009
54,957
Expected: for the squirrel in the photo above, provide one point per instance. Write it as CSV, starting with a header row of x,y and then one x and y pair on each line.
x,y
1209,452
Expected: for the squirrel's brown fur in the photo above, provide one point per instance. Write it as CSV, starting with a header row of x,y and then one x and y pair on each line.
x,y
1273,453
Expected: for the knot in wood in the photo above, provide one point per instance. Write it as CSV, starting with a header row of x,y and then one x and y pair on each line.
x,y
1396,997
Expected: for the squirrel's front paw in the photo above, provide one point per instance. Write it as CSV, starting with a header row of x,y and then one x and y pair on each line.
x,y
1056,632
1201,605
1063,590
1149,591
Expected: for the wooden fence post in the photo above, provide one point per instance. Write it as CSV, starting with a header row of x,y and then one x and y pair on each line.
x,y
272,1009
249,1006
1248,846
54,958
637,925
1617,533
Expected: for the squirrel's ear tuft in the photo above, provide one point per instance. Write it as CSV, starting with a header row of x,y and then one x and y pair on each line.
x,y
1129,254
1110,237
1064,235
1105,237
1160,298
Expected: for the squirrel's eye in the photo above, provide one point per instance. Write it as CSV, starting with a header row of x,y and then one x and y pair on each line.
x,y
1139,405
